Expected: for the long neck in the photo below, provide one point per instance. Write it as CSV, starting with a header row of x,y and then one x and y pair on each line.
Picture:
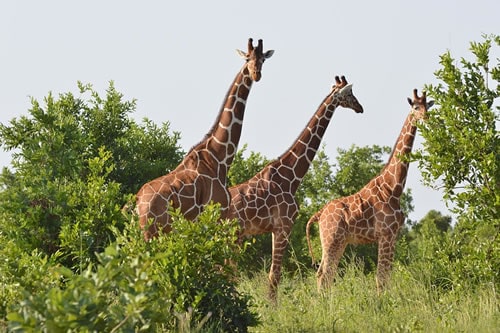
x,y
393,176
296,160
221,142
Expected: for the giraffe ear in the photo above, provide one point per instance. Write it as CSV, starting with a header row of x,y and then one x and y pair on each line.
x,y
409,101
346,89
430,104
242,54
268,54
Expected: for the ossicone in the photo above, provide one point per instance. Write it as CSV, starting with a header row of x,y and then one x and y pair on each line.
x,y
250,45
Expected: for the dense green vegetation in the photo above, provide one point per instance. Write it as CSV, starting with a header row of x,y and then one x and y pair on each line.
x,y
71,259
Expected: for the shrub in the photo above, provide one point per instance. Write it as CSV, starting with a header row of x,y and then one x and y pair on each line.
x,y
177,280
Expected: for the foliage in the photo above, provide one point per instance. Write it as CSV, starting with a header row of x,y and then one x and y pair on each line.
x,y
22,270
356,166
424,245
195,262
461,151
74,162
461,155
473,254
70,130
432,223
177,280
465,255
315,189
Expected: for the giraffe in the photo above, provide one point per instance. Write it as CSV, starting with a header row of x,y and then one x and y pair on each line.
x,y
373,214
201,176
266,202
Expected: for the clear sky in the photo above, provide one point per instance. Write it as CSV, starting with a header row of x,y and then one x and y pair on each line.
x,y
177,58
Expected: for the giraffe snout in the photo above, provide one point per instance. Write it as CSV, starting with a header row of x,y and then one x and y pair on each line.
x,y
256,76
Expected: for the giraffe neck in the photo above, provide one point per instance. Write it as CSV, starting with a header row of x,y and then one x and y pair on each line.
x,y
294,163
221,142
393,176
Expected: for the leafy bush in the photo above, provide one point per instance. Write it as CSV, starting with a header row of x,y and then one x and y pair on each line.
x,y
194,259
22,271
75,160
464,256
177,280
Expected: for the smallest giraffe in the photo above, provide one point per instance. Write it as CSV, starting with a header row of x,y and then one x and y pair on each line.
x,y
373,214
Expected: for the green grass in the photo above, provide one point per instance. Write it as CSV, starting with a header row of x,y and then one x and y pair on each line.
x,y
410,304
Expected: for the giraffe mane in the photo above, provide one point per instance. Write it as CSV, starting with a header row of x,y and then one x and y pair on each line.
x,y
214,125
217,120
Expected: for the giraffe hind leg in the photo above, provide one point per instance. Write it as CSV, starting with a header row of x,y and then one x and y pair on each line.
x,y
329,262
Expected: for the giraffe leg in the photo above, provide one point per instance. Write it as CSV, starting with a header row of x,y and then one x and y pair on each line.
x,y
386,247
280,242
232,263
332,252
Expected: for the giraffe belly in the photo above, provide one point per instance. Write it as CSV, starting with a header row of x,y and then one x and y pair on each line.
x,y
360,232
256,226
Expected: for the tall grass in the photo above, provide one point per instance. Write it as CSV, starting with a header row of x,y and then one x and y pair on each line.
x,y
409,304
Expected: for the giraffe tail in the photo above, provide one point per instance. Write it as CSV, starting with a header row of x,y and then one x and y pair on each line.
x,y
313,219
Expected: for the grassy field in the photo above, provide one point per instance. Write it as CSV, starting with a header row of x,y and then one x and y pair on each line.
x,y
410,304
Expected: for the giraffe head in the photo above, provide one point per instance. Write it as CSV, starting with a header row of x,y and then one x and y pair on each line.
x,y
255,57
342,91
419,105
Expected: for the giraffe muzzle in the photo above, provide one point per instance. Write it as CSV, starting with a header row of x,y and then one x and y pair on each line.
x,y
256,76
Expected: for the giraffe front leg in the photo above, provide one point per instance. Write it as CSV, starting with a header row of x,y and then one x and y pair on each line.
x,y
280,242
386,246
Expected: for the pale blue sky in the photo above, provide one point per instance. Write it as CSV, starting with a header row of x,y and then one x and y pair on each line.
x,y
177,59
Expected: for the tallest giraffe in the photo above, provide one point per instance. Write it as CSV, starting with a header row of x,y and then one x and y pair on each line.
x,y
201,177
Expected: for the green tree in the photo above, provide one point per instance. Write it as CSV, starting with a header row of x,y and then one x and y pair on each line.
x,y
434,218
461,155
316,187
74,161
461,152
356,166
464,256
424,240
